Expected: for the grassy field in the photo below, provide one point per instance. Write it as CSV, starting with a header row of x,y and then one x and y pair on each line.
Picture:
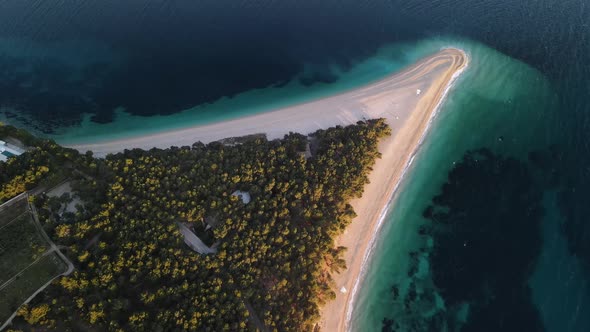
x,y
8,213
25,262
27,283
20,245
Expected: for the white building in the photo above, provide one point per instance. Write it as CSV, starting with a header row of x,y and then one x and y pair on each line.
x,y
193,240
243,195
9,150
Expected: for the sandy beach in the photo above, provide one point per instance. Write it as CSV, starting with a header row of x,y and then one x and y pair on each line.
x,y
410,115
408,100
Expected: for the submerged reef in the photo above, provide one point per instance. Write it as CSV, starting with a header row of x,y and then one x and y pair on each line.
x,y
484,230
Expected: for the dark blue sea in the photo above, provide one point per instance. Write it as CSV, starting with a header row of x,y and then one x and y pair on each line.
x,y
490,231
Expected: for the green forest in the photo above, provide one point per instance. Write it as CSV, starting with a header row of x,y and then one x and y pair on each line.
x,y
274,255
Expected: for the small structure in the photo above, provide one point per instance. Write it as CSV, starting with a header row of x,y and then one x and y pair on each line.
x,y
418,91
243,195
193,241
307,153
59,191
8,150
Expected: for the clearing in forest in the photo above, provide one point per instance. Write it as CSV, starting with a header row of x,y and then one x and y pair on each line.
x,y
28,260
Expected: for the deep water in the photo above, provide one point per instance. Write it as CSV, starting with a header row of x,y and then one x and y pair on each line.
x,y
91,70
479,243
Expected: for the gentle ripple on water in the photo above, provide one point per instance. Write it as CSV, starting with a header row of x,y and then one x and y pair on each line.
x,y
63,62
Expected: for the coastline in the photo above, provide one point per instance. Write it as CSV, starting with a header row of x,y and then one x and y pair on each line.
x,y
386,207
373,206
345,108
408,100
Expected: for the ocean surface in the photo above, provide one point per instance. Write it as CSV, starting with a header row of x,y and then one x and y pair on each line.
x,y
489,230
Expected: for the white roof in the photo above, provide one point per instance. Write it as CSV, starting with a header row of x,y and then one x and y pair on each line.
x,y
2,142
243,195
11,150
3,157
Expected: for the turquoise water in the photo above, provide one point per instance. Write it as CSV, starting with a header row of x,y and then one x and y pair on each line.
x,y
68,61
499,103
556,278
388,59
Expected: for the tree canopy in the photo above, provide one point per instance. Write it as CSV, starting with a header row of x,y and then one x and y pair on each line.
x,y
275,255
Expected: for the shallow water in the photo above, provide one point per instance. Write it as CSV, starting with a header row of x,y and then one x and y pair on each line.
x,y
388,59
81,71
489,106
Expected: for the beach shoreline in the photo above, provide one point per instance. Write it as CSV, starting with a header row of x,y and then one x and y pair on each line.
x,y
387,206
398,152
408,100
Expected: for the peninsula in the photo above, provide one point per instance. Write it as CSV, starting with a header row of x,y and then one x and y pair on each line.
x,y
266,204
408,100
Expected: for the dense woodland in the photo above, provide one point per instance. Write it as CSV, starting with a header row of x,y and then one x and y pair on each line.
x,y
44,164
275,255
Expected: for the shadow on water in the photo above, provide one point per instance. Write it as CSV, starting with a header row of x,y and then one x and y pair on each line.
x,y
485,229
161,58
509,110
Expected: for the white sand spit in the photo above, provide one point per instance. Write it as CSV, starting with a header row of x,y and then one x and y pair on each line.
x,y
408,100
